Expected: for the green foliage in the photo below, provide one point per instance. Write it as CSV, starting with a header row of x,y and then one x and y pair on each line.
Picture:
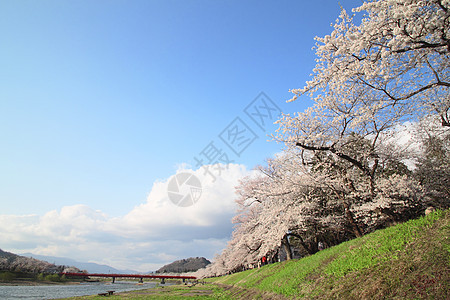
x,y
53,278
7,276
40,277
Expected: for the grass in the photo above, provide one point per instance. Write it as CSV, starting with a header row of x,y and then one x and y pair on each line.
x,y
175,292
381,246
406,261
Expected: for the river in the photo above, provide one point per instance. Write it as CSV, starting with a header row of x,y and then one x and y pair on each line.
x,y
64,291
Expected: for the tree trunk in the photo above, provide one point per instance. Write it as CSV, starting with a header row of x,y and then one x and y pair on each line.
x,y
302,242
351,219
287,247
275,257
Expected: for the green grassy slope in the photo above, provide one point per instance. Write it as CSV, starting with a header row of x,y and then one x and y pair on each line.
x,y
407,261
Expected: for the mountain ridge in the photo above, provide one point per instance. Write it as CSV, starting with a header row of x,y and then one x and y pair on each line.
x,y
18,263
191,264
90,267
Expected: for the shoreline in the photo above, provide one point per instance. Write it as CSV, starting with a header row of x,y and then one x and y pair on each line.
x,y
25,282
36,283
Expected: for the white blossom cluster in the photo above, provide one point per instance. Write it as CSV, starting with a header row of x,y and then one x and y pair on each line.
x,y
345,170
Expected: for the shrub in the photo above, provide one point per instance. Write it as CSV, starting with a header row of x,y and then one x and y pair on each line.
x,y
7,276
55,278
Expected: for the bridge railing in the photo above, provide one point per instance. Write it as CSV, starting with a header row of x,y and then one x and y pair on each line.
x,y
128,275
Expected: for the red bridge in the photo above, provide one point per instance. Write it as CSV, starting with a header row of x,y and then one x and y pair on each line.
x,y
138,276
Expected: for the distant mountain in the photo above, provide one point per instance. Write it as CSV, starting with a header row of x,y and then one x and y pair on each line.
x,y
17,263
90,267
185,265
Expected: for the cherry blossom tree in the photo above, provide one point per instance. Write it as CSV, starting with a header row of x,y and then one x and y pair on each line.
x,y
309,202
319,200
342,170
399,51
274,206
433,161
391,68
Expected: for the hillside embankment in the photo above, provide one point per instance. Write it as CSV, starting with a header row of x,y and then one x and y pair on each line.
x,y
406,261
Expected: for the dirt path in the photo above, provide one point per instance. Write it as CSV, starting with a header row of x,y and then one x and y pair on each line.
x,y
230,291
243,293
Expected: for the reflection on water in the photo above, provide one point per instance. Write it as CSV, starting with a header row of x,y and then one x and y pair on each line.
x,y
63,291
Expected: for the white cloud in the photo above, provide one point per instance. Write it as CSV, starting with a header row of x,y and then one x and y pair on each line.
x,y
150,235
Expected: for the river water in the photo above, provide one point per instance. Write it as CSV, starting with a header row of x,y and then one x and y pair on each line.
x,y
64,291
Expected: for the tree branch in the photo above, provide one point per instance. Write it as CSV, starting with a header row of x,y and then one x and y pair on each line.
x,y
353,161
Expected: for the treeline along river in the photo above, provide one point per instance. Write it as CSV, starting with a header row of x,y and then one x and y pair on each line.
x,y
64,291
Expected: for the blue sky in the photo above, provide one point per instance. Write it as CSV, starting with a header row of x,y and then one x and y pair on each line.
x,y
101,100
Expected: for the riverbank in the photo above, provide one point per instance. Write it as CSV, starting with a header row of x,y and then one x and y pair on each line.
x,y
207,291
203,291
406,261
82,290
36,283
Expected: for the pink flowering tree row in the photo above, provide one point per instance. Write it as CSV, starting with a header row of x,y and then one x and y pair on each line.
x,y
345,171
